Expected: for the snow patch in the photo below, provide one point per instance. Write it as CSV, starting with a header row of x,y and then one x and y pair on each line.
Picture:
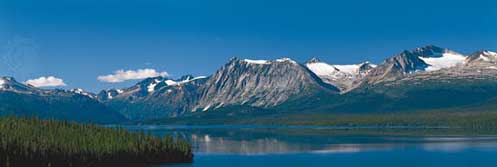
x,y
82,92
285,59
207,107
199,77
325,70
249,61
151,87
352,69
445,61
109,95
490,53
321,69
2,83
171,82
177,83
487,56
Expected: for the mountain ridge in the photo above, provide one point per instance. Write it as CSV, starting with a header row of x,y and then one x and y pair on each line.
x,y
284,84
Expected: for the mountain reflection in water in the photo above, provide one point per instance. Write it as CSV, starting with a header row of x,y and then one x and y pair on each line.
x,y
268,140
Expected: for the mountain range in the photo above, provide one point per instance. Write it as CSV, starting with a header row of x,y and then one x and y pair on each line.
x,y
424,78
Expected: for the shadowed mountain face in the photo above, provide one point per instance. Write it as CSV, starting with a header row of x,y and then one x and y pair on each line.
x,y
24,100
419,79
155,98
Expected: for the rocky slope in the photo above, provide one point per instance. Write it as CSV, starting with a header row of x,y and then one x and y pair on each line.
x,y
259,83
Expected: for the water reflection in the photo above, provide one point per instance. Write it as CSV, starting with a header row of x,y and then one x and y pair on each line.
x,y
257,141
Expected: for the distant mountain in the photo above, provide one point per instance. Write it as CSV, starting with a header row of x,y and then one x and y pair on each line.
x,y
409,80
485,58
259,83
426,78
156,97
256,83
428,58
341,76
25,100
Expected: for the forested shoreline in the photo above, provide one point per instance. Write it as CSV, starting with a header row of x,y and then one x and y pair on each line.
x,y
50,143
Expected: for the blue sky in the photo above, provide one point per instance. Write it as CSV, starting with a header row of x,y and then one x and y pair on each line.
x,y
79,40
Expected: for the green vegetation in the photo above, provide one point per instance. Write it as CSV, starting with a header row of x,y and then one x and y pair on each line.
x,y
33,142
435,122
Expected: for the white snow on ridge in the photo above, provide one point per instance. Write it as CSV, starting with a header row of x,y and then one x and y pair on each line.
x,y
262,62
335,71
151,87
445,61
171,82
82,92
2,82
206,107
349,69
286,59
109,95
249,61
484,58
199,77
488,56
321,69
177,83
490,53
78,90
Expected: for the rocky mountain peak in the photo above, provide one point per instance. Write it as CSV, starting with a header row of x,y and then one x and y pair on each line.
x,y
482,57
186,77
428,51
313,60
83,92
405,63
259,83
365,67
10,84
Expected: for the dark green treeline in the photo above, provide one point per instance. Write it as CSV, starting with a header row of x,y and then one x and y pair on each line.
x,y
32,142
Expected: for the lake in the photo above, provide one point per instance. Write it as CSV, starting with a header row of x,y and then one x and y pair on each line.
x,y
249,146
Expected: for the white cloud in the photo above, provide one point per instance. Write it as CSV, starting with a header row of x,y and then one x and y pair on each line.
x,y
46,81
121,75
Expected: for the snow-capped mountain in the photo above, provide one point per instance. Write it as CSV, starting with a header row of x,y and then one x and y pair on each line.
x,y
10,84
270,83
24,100
426,75
258,83
148,87
482,58
341,76
424,59
156,97
84,93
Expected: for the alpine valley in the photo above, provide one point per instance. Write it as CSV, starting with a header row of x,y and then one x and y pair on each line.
x,y
427,79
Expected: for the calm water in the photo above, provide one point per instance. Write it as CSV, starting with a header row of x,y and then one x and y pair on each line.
x,y
249,146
